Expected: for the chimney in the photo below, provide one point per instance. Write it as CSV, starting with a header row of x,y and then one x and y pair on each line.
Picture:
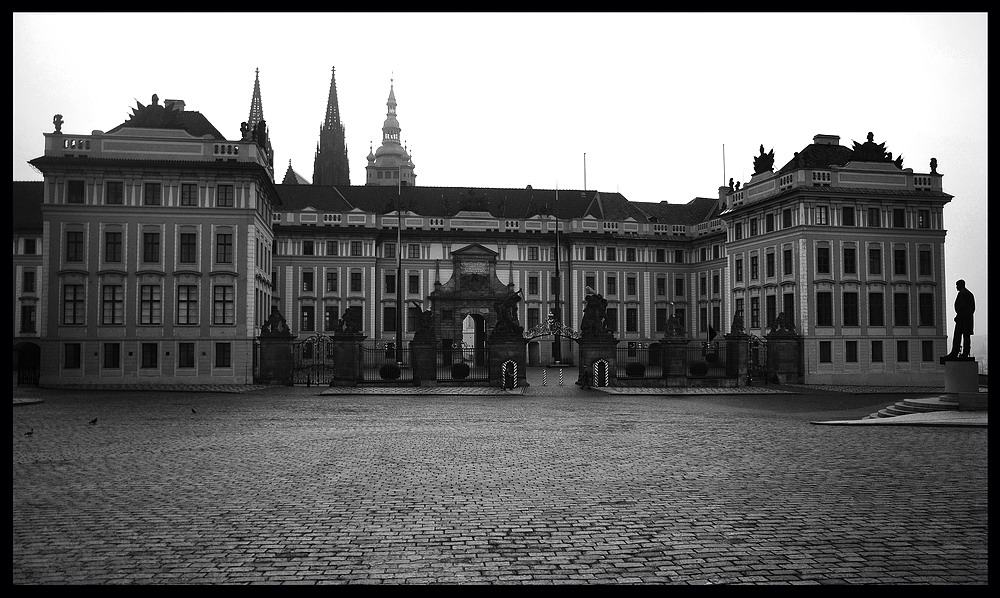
x,y
826,139
177,105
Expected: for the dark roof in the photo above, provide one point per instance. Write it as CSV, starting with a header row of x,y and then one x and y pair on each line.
x,y
27,204
446,202
155,116
816,155
699,209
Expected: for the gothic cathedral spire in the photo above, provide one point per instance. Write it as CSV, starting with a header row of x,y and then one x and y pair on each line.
x,y
330,166
256,117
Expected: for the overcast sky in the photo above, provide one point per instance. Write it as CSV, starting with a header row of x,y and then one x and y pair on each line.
x,y
665,106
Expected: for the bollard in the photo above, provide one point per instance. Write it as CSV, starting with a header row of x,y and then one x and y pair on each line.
x,y
543,376
560,377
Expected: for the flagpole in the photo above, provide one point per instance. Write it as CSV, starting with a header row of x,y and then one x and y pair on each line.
x,y
557,352
399,271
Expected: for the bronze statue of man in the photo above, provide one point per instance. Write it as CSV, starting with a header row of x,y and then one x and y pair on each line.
x,y
965,306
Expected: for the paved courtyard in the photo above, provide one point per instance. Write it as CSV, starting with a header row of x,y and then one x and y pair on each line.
x,y
566,486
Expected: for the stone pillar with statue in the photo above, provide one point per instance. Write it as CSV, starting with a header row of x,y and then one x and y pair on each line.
x,y
423,347
784,352
508,345
346,344
961,371
597,345
674,355
276,349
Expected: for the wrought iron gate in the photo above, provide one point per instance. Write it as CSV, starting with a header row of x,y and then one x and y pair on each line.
x,y
312,361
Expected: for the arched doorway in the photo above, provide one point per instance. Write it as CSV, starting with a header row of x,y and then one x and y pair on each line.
x,y
474,335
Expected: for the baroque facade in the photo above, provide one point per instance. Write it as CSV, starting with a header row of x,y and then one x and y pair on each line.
x,y
145,266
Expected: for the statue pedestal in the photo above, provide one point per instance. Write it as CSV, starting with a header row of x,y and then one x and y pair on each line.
x,y
276,357
737,347
598,360
961,384
423,358
784,358
345,358
507,356
674,359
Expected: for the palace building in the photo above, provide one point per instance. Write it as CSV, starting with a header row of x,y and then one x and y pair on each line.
x,y
156,250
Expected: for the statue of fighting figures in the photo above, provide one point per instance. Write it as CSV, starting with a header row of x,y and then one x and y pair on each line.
x,y
595,313
507,320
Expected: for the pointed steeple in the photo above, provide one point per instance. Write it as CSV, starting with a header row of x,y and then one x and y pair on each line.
x,y
391,164
330,166
256,118
256,109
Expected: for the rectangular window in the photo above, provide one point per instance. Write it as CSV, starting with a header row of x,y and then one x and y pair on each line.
x,y
753,227
612,285
715,284
851,351
847,215
924,262
630,254
28,281
554,286
788,306
926,309
874,217
902,351
532,285
631,286
923,218
331,315
769,265
786,218
661,286
703,252
588,253
307,281
114,193
825,352
28,318
112,304
333,248
413,284
389,318
75,191
189,194
824,308
74,246
224,304
661,255
151,194
533,253
355,248
738,231
850,260
703,319
150,355
591,281
739,269
187,304
786,262
333,284
899,262
112,356
224,196
877,356
612,317
900,309
189,248
822,215
678,287
355,282
73,299
151,248
768,223
223,355
661,319
611,254
927,350
755,312
414,251
71,356
631,319
703,285
898,218
307,318
875,260
412,317
390,283
150,304
850,300
113,247
679,256
822,260
754,268
876,309
29,247
308,248
224,248
185,355
534,315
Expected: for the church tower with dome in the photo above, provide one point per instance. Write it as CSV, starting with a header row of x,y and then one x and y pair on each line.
x,y
390,164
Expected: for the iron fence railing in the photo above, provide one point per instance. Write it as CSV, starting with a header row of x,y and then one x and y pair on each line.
x,y
384,362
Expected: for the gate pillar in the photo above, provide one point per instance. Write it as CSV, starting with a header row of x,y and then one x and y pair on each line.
x,y
784,357
346,358
276,350
423,358
674,358
505,347
593,348
737,347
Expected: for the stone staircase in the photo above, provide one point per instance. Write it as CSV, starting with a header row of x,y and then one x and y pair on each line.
x,y
910,406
